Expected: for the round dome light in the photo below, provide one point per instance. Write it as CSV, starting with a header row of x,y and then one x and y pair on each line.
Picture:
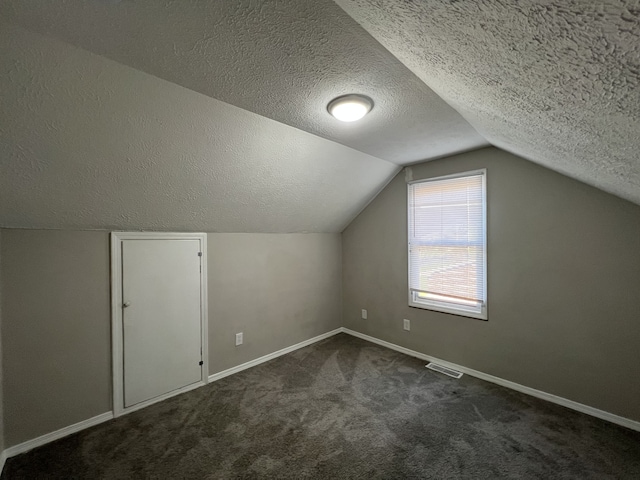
x,y
350,108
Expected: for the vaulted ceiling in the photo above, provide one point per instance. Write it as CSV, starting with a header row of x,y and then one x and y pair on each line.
x,y
284,60
554,81
89,143
184,115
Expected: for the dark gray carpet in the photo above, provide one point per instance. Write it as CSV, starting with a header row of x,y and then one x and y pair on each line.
x,y
343,408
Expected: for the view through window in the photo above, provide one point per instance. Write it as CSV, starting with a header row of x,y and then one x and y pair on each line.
x,y
447,244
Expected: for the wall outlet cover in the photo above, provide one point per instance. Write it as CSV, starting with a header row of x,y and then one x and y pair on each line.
x,y
364,314
239,339
406,324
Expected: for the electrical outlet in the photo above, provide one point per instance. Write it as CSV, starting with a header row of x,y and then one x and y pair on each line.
x,y
239,339
364,314
407,324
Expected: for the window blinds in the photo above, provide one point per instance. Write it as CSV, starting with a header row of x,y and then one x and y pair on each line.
x,y
447,241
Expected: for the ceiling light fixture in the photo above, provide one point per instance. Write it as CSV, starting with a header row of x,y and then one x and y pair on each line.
x,y
350,108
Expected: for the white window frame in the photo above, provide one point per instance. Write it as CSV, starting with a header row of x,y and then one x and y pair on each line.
x,y
445,307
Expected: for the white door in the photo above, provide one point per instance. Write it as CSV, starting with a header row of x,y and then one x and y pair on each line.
x,y
161,317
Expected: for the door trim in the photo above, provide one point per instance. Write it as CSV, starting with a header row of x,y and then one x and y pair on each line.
x,y
116,316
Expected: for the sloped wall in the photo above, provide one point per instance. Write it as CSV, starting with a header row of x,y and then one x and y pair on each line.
x,y
89,144
563,283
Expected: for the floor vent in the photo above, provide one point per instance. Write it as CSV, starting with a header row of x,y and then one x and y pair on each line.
x,y
447,371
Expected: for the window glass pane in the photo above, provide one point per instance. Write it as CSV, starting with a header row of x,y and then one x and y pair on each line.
x,y
447,241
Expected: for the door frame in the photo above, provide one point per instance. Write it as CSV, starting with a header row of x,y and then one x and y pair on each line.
x,y
117,339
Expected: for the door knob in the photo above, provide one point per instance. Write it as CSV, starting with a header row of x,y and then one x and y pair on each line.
x,y
126,304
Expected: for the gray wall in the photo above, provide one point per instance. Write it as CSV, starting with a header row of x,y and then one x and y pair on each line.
x,y
56,330
1,375
279,289
563,283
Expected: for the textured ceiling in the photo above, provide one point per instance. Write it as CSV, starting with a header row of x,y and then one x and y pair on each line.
x,y
557,82
86,142
284,60
121,115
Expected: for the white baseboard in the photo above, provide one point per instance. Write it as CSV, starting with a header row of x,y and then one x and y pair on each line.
x,y
271,356
50,437
76,427
118,412
594,412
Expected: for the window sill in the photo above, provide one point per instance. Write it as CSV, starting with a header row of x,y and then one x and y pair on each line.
x,y
451,310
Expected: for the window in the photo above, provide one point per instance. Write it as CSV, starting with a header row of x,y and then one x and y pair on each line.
x,y
447,244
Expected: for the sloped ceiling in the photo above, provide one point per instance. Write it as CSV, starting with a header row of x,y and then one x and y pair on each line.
x,y
555,81
284,60
86,142
186,115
